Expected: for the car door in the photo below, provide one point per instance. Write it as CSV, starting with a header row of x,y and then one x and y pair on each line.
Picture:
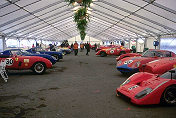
x,y
24,62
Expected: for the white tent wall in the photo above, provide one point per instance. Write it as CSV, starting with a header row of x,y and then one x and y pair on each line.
x,y
149,43
26,44
140,47
132,43
1,45
126,44
87,38
109,20
168,43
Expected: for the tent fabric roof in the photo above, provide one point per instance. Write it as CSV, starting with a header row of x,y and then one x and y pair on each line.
x,y
109,19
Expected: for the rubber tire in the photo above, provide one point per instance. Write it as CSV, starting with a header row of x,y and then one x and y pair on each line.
x,y
103,54
122,53
56,56
164,99
39,64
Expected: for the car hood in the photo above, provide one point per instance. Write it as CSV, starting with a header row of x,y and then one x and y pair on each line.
x,y
136,59
134,88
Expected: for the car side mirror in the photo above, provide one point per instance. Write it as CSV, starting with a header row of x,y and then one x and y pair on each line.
x,y
171,71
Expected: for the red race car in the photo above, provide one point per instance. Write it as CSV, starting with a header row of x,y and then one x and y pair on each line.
x,y
113,51
144,88
35,63
132,64
159,66
127,55
106,47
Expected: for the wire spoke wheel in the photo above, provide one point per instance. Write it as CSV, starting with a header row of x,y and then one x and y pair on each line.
x,y
39,68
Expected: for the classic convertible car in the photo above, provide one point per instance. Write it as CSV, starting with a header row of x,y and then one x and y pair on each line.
x,y
37,64
57,55
113,51
132,64
144,88
20,52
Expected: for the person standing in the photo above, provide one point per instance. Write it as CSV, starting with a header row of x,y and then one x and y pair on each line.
x,y
87,46
95,46
71,47
75,47
33,46
82,46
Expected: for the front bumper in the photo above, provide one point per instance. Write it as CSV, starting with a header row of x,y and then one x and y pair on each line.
x,y
125,69
130,97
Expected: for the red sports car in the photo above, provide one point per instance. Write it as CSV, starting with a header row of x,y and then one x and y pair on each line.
x,y
127,55
159,66
106,47
35,63
144,88
113,51
132,64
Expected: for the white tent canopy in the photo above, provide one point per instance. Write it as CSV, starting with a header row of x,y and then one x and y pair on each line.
x,y
109,19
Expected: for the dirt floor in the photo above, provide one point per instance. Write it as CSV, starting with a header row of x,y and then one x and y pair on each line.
x,y
77,87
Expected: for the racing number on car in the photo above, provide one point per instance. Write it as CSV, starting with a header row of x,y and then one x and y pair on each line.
x,y
112,51
9,61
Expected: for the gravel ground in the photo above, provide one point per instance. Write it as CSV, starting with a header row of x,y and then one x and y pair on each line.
x,y
77,87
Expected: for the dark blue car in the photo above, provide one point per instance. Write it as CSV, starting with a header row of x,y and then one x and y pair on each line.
x,y
25,53
57,55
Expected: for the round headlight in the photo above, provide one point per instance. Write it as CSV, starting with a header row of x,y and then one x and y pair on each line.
x,y
126,62
130,61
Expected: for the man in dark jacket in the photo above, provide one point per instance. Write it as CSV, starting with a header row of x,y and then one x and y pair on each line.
x,y
87,46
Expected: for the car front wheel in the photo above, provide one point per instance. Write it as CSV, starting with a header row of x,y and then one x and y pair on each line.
x,y
39,68
169,96
103,54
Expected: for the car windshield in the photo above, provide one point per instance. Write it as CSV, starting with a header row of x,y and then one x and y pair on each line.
x,y
167,75
152,53
25,52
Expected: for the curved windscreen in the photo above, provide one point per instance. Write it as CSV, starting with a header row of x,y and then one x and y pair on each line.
x,y
167,75
153,53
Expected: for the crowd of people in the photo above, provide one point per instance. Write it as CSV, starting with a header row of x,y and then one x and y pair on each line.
x,y
83,46
74,46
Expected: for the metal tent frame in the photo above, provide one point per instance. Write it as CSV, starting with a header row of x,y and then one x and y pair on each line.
x,y
109,19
